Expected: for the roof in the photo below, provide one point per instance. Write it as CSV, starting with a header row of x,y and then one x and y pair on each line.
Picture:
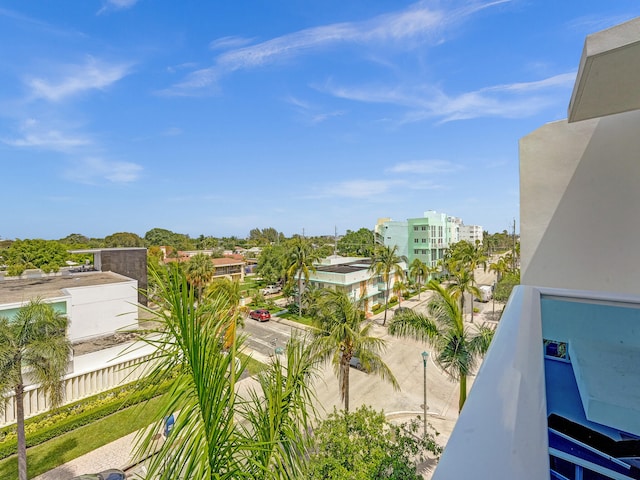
x,y
20,290
357,266
608,74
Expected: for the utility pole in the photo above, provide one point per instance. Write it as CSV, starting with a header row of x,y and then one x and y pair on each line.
x,y
513,257
335,241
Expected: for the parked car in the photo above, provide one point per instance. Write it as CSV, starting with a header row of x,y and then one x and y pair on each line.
x,y
260,315
111,474
356,363
271,289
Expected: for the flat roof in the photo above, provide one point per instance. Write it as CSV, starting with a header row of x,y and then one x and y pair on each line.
x,y
98,250
20,290
357,266
608,74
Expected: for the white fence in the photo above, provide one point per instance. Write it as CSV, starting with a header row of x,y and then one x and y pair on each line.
x,y
79,385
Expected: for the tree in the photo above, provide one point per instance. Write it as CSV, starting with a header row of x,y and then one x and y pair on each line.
x,y
217,433
340,334
457,348
385,263
419,272
357,244
123,239
266,236
228,291
463,283
33,349
504,287
272,263
48,255
500,266
301,259
400,289
362,445
200,271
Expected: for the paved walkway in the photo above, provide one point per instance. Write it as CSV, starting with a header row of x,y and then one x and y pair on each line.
x,y
399,406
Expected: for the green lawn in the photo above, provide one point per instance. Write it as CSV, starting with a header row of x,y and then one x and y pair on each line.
x,y
76,443
295,318
65,448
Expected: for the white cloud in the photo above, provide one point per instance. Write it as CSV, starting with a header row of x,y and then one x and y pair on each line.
x,y
311,113
425,167
116,5
74,79
35,135
413,26
357,188
94,170
225,43
516,100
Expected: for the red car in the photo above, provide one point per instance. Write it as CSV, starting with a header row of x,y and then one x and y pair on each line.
x,y
260,315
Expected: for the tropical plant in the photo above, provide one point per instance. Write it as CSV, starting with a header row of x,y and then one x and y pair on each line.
x,y
419,272
359,243
400,289
34,348
229,291
200,270
500,267
218,434
340,334
457,347
463,283
362,445
301,259
386,263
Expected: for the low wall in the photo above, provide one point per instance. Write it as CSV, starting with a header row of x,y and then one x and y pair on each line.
x,y
79,385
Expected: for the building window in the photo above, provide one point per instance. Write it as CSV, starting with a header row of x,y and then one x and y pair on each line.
x,y
424,227
415,228
424,240
415,240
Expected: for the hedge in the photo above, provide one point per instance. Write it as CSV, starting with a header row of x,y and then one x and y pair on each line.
x,y
47,426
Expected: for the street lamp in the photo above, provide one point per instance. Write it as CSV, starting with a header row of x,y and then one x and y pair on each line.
x,y
425,356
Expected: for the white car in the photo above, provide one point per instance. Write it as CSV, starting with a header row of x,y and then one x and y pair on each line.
x,y
271,289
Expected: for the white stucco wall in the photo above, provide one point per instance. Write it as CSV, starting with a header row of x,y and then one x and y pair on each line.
x,y
102,309
579,208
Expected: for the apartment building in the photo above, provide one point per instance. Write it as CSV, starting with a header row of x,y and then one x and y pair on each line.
x,y
426,238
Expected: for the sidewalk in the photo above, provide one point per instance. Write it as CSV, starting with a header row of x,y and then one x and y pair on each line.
x,y
443,408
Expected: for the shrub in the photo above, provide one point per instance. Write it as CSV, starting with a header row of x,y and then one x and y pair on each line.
x,y
64,419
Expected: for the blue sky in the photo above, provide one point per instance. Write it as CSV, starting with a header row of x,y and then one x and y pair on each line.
x,y
218,117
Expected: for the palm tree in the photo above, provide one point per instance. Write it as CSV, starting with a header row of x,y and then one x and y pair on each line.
x,y
301,259
200,271
463,283
419,271
228,291
457,349
218,434
399,289
385,263
500,266
340,335
33,344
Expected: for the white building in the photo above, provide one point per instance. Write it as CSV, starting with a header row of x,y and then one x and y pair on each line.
x,y
96,303
352,275
558,395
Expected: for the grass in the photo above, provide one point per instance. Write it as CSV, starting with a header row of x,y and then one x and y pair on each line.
x,y
62,449
71,445
295,318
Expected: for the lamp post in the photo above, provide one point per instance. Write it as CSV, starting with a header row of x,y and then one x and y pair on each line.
x,y
425,356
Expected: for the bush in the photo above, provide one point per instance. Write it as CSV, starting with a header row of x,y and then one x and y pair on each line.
x,y
64,419
293,309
